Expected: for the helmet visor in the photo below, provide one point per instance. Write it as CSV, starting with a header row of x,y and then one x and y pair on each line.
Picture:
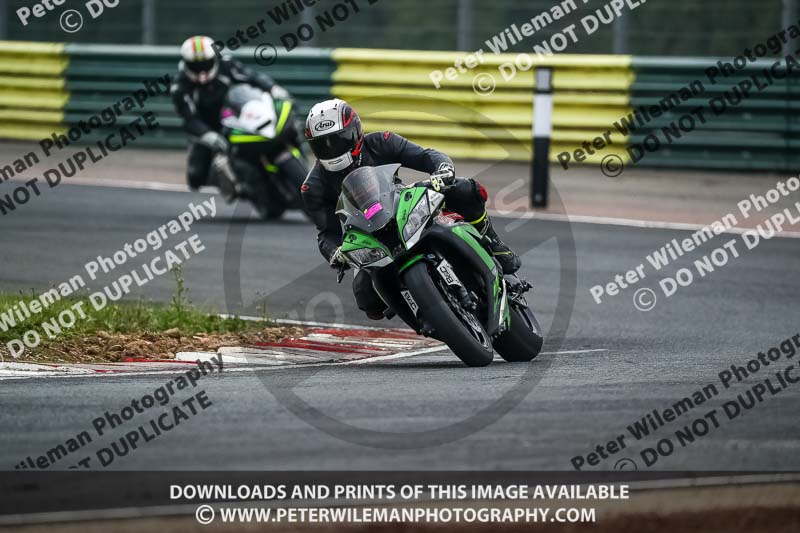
x,y
334,145
200,67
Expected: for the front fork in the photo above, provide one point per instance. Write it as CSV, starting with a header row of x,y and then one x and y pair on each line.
x,y
448,275
467,300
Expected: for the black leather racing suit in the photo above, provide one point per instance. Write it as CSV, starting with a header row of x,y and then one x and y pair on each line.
x,y
322,187
199,106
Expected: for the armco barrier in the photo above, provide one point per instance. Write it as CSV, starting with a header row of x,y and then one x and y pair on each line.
x,y
592,93
393,90
98,75
32,91
759,132
44,88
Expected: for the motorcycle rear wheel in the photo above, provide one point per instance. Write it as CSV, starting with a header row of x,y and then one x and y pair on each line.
x,y
523,341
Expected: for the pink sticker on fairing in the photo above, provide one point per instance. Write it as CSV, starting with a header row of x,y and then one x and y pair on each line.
x,y
373,210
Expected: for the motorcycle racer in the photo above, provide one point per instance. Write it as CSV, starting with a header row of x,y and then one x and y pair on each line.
x,y
336,137
198,93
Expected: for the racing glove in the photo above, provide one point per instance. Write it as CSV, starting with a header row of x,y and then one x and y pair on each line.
x,y
215,141
444,177
339,260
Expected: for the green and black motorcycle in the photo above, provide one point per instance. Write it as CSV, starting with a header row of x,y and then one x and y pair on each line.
x,y
433,270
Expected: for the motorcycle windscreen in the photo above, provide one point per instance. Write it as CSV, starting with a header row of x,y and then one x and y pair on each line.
x,y
250,110
369,195
239,94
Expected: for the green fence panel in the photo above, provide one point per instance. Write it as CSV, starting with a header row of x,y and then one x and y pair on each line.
x,y
45,88
757,132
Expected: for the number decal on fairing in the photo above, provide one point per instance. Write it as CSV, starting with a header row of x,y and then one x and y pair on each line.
x,y
448,275
412,304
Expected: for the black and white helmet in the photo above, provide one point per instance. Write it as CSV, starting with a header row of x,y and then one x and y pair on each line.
x,y
335,134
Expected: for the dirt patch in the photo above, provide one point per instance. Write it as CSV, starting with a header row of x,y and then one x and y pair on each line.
x,y
105,347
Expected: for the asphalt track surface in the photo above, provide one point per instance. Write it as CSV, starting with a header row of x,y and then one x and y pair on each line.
x,y
615,363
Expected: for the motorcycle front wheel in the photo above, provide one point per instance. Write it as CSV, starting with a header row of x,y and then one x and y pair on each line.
x,y
458,328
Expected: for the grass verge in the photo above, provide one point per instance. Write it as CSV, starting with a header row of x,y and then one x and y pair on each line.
x,y
135,329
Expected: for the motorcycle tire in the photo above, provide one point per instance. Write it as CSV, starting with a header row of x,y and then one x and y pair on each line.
x,y
448,328
268,203
523,341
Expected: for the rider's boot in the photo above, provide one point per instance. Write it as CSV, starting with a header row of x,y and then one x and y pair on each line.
x,y
223,177
509,261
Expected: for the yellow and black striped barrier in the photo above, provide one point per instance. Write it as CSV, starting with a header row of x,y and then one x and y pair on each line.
x,y
470,108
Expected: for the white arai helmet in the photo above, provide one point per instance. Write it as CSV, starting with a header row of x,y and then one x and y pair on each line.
x,y
335,134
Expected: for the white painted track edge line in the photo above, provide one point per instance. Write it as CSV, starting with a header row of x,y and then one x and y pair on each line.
x,y
628,222
233,367
555,217
130,184
391,357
